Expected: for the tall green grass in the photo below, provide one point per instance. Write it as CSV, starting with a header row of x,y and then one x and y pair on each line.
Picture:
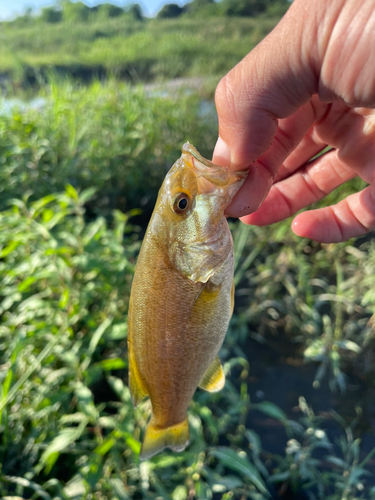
x,y
162,48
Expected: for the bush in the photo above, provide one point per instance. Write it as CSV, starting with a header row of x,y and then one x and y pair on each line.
x,y
68,428
118,139
64,285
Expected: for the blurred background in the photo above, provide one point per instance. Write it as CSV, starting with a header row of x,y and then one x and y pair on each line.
x,y
96,101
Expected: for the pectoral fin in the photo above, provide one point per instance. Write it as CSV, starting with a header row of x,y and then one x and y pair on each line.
x,y
214,379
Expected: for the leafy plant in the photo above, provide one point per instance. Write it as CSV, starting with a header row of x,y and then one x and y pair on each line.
x,y
117,139
67,254
338,475
321,296
63,286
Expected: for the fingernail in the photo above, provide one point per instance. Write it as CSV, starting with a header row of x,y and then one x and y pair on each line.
x,y
222,154
295,226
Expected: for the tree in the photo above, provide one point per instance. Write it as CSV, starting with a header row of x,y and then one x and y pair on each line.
x,y
51,15
135,11
278,8
202,8
26,19
198,4
109,10
75,11
170,10
251,8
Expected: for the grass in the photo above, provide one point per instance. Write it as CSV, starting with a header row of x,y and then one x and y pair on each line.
x,y
67,255
153,49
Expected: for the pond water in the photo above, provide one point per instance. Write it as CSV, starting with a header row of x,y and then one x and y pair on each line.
x,y
279,374
186,85
7,105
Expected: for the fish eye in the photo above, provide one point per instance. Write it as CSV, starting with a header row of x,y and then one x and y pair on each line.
x,y
181,203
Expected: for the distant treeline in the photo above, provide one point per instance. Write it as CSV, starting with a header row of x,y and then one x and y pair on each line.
x,y
67,11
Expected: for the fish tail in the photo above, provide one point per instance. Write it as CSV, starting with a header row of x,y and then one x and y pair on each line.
x,y
175,437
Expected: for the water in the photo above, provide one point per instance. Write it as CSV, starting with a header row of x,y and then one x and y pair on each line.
x,y
187,85
8,105
279,374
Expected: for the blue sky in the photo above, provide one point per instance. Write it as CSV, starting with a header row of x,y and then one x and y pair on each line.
x,y
10,8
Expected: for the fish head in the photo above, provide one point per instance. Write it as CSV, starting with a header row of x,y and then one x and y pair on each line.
x,y
189,221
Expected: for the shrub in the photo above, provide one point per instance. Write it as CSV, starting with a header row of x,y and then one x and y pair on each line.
x,y
67,426
114,138
64,285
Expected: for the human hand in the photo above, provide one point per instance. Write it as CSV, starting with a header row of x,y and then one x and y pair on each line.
x,y
310,83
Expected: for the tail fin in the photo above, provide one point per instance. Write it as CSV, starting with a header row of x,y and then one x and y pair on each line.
x,y
175,437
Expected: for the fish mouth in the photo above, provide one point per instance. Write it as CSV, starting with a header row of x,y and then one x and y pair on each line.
x,y
215,174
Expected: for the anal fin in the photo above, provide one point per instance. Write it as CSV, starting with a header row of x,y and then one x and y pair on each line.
x,y
175,437
214,379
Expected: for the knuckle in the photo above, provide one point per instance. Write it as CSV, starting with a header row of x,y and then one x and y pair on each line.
x,y
224,96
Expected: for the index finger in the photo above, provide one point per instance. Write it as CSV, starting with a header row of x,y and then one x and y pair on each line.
x,y
262,172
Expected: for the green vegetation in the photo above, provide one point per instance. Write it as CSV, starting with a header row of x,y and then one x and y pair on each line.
x,y
80,168
322,296
118,139
67,255
127,48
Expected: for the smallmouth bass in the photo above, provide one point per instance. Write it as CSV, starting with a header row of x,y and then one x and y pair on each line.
x,y
182,297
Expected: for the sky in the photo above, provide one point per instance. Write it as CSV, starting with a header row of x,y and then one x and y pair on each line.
x,y
11,8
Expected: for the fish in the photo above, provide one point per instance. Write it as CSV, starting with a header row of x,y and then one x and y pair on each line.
x,y
182,297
